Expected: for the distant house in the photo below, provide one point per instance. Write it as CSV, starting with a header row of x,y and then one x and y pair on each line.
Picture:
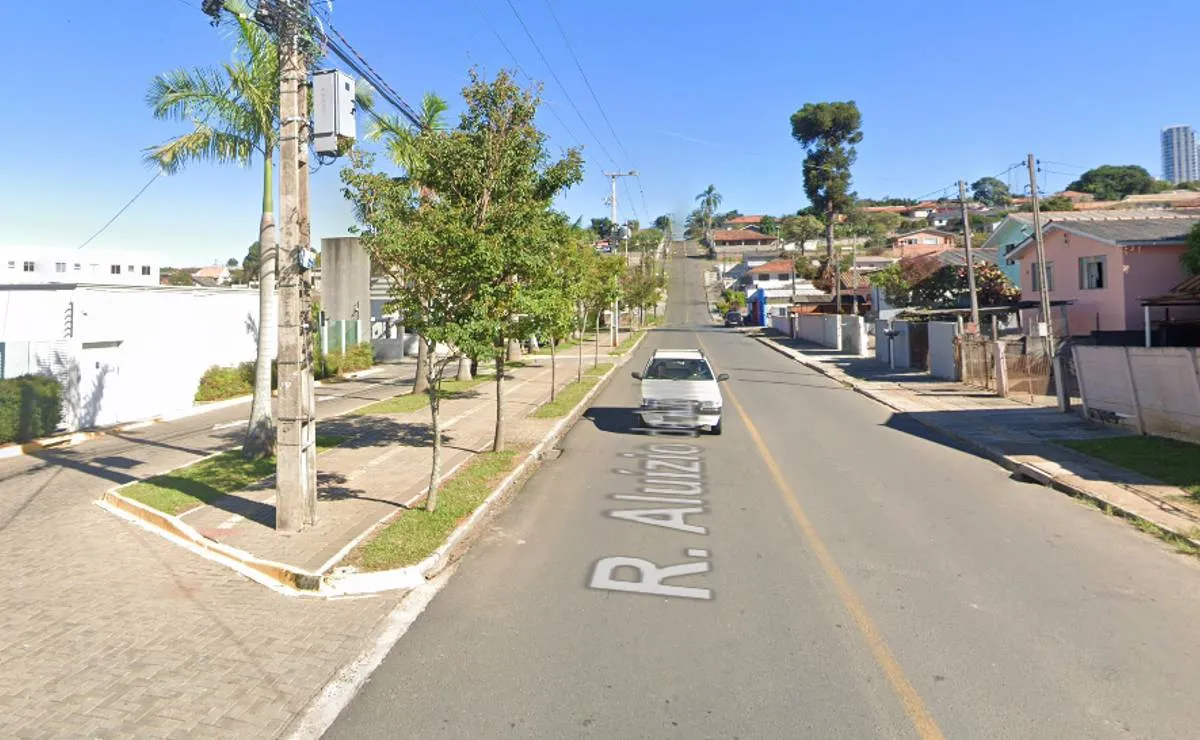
x,y
212,275
1106,266
943,217
921,242
727,241
743,222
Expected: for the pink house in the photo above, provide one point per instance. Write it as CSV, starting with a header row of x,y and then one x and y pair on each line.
x,y
1106,267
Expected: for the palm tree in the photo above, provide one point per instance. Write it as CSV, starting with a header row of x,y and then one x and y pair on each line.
x,y
234,113
709,200
400,140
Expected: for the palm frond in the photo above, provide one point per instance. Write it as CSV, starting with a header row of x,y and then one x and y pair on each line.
x,y
201,144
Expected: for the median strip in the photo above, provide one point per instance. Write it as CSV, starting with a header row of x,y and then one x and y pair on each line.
x,y
408,402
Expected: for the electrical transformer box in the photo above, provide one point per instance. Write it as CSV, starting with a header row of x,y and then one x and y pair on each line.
x,y
333,110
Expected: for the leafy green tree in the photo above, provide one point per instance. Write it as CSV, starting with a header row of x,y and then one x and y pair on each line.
x,y
252,261
800,230
663,223
1056,203
180,278
948,287
233,112
436,274
1191,256
602,227
231,263
828,132
991,192
552,292
1114,182
694,225
769,225
495,182
400,141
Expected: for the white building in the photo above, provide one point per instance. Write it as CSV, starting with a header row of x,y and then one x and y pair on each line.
x,y
41,265
124,353
1179,155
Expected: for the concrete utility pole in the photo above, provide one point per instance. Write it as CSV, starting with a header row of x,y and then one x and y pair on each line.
x,y
295,475
612,204
1043,282
966,219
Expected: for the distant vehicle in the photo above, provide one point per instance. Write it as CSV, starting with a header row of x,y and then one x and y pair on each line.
x,y
680,391
733,318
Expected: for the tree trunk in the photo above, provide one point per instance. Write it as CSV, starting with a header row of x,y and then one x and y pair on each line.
x,y
435,471
464,369
835,268
260,431
582,323
553,370
498,440
596,356
421,383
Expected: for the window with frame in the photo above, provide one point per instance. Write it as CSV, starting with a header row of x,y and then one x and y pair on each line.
x,y
132,269
12,264
27,266
1092,273
77,267
764,276
60,266
1037,277
115,269
145,269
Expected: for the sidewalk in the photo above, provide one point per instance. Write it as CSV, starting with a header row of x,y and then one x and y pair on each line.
x,y
1020,437
381,468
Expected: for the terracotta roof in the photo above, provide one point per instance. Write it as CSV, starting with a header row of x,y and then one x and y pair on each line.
x,y
775,266
739,235
745,220
939,232
213,271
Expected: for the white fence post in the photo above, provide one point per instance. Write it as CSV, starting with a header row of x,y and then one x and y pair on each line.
x,y
1083,394
1001,356
1133,395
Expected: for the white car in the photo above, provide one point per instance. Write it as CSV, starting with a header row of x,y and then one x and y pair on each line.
x,y
680,391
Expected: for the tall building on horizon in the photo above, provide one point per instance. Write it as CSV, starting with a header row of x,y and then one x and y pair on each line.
x,y
1179,154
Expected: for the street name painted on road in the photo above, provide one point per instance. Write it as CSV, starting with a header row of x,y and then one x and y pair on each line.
x,y
667,473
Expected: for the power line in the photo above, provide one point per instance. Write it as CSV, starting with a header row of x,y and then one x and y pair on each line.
x,y
587,82
381,85
554,74
123,209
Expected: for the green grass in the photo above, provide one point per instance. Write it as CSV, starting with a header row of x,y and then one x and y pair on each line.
x,y
407,402
571,395
624,346
1168,460
417,533
208,480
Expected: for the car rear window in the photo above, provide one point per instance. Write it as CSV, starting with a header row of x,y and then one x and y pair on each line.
x,y
679,369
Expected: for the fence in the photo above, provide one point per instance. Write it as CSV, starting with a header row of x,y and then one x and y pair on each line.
x,y
1155,390
1026,365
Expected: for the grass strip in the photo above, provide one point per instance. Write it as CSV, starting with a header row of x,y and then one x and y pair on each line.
x,y
624,346
1171,461
571,395
417,533
208,480
409,402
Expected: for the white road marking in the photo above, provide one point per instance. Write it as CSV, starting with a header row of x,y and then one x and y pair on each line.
x,y
229,424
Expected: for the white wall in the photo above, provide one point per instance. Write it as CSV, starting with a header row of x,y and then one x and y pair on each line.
x,y
882,346
1155,390
130,353
942,351
78,266
854,335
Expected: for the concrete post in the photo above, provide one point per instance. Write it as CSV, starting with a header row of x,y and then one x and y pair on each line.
x,y
1001,369
1060,387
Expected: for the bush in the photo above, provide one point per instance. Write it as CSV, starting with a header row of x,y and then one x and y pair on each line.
x,y
219,383
30,407
359,357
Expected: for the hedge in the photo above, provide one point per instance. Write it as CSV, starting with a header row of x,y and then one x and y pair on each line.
x,y
30,407
219,383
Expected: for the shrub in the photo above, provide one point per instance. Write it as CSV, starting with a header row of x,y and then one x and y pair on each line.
x,y
219,383
30,407
359,357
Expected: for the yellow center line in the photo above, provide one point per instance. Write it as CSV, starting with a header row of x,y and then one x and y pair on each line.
x,y
914,706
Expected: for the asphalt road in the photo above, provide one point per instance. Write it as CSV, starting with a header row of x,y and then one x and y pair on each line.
x,y
842,574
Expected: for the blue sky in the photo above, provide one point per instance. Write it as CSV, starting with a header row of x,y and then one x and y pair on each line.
x,y
699,92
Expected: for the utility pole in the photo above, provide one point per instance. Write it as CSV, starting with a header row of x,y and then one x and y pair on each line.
x,y
962,202
295,478
612,203
1043,282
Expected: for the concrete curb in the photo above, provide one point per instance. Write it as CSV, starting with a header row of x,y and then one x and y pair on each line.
x,y
467,532
72,439
1118,499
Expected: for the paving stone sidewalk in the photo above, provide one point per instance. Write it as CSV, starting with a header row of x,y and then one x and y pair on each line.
x,y
110,631
1020,436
